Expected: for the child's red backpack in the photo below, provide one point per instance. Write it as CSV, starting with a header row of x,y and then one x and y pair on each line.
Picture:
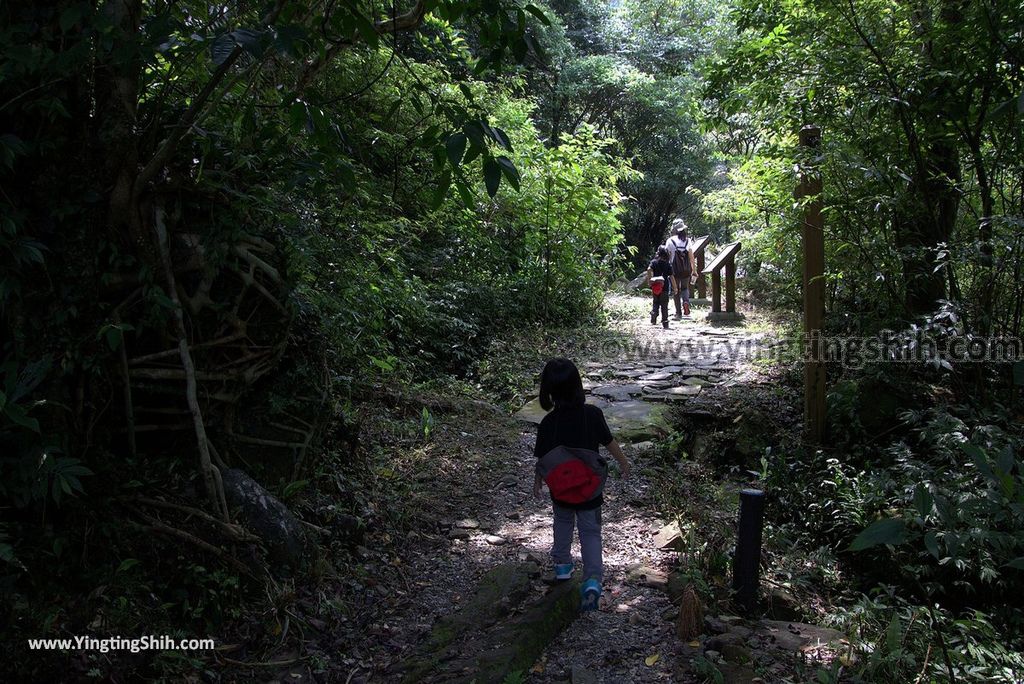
x,y
657,286
573,475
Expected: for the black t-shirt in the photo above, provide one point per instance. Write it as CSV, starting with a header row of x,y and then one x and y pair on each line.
x,y
661,268
581,427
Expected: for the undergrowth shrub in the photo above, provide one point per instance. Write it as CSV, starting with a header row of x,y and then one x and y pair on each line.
x,y
934,521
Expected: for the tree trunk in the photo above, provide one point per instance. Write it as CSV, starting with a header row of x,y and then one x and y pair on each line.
x,y
927,225
116,95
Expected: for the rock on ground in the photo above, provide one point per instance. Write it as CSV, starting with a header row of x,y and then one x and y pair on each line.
x,y
269,519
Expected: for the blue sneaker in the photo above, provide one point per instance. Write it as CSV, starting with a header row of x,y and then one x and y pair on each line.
x,y
590,594
563,571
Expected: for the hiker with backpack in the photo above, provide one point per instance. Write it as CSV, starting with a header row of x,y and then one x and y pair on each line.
x,y
569,462
659,272
680,255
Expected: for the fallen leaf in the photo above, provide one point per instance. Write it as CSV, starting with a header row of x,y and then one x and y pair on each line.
x,y
694,644
650,660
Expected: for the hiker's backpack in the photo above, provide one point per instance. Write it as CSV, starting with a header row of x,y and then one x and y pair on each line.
x,y
682,259
572,474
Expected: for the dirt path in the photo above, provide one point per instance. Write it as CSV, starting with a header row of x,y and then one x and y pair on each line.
x,y
477,512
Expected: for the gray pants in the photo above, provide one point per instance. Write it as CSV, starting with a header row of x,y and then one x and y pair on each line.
x,y
589,523
681,293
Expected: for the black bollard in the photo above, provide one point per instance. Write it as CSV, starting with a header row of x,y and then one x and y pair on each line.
x,y
747,561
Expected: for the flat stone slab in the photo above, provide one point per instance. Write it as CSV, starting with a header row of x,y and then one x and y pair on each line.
x,y
687,390
617,392
533,412
624,411
672,583
724,316
659,363
655,377
646,576
796,636
629,373
669,538
667,398
636,421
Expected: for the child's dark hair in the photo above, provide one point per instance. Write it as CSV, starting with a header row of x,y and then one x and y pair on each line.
x,y
561,385
663,253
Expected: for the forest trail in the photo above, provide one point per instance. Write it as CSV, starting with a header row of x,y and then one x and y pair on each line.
x,y
480,515
633,637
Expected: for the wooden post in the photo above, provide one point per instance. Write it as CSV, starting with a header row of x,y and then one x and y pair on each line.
x,y
746,564
814,285
702,284
716,291
699,252
730,285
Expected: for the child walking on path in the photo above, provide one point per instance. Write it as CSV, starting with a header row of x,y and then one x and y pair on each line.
x,y
572,432
660,274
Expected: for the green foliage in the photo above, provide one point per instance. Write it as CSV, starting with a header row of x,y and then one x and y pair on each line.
x,y
707,670
426,424
887,531
33,467
936,517
964,525
428,284
643,98
756,203
18,383
517,677
7,554
909,178
293,489
898,641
